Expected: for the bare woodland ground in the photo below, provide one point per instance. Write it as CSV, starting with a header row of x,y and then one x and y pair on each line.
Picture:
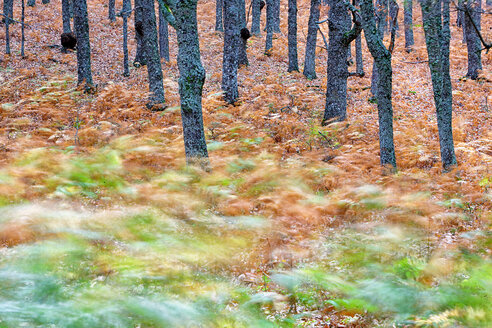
x,y
284,109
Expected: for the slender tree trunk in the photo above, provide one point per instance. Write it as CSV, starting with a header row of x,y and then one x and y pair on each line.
x,y
8,9
381,14
219,8
140,55
408,22
269,26
125,13
242,53
231,43
111,11
256,22
393,14
81,27
292,38
340,37
23,16
191,79
437,37
151,45
163,36
460,20
276,16
359,61
382,58
66,16
474,12
31,3
310,57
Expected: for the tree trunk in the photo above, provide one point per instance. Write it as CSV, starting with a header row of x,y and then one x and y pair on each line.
x,y
163,36
437,36
151,46
310,58
382,59
340,37
473,12
140,55
219,8
44,2
408,22
276,16
23,16
81,27
256,22
381,14
393,15
111,11
292,38
359,61
125,13
231,45
66,16
242,54
31,3
8,9
269,26
191,79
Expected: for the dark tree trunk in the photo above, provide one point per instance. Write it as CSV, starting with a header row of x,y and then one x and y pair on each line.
x,y
163,36
269,26
381,15
81,27
140,55
408,22
382,59
310,58
44,2
437,37
231,45
473,12
340,37
393,15
276,16
191,79
256,22
66,16
219,8
111,11
151,46
359,61
242,54
23,17
292,38
125,13
31,3
8,9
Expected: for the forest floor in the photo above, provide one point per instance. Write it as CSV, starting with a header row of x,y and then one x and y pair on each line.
x,y
298,215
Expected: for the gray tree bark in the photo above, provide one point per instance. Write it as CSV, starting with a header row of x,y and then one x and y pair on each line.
x,y
163,36
437,37
66,16
382,59
381,15
408,22
231,46
269,26
151,45
310,57
111,11
125,13
292,37
276,16
219,8
191,80
8,11
81,27
359,61
242,45
23,17
473,12
31,3
256,21
340,37
140,55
